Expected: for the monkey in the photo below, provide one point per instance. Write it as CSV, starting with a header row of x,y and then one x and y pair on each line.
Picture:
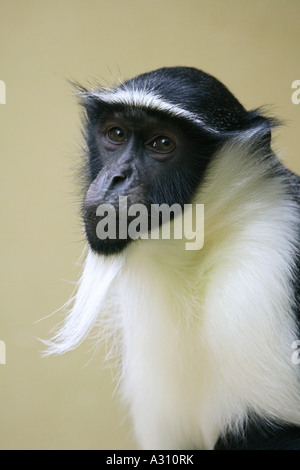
x,y
205,336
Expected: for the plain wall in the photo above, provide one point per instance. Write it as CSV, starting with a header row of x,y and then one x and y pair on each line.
x,y
70,402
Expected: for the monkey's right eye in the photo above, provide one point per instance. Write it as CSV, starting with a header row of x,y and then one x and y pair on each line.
x,y
116,135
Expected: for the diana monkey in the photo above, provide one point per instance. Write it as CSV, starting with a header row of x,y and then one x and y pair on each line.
x,y
205,336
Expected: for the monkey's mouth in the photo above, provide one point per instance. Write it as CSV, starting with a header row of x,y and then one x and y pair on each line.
x,y
110,232
107,226
110,228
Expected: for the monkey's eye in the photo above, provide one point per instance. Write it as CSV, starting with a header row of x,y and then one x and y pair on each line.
x,y
162,144
116,135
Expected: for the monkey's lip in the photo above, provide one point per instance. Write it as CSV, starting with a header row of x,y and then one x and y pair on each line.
x,y
91,217
115,225
116,208
110,242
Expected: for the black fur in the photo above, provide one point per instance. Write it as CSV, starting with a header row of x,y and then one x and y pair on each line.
x,y
259,435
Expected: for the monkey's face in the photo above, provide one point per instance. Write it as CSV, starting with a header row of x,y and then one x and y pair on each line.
x,y
149,142
137,158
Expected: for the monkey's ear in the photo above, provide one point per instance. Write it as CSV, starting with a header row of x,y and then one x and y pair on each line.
x,y
262,125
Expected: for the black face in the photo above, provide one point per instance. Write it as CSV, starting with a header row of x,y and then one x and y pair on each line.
x,y
151,156
145,157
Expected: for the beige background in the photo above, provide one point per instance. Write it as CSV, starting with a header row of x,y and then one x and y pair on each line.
x,y
252,46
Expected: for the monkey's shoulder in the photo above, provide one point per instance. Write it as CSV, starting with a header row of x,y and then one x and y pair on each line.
x,y
259,436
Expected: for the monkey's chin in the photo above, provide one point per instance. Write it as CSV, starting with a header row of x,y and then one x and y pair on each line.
x,y
108,242
108,246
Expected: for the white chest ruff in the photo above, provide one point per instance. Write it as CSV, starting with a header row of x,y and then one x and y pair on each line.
x,y
195,360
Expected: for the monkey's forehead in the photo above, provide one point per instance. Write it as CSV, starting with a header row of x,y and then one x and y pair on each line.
x,y
146,100
180,92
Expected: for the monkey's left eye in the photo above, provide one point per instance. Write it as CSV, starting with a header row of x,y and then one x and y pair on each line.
x,y
116,135
162,144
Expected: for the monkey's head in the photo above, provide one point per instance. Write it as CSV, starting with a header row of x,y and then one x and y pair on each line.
x,y
149,142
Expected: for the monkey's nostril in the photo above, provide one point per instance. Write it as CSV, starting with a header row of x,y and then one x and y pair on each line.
x,y
117,180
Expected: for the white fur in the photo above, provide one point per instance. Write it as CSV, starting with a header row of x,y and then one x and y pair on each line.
x,y
204,336
97,277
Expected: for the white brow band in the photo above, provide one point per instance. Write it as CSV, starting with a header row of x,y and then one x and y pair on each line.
x,y
149,100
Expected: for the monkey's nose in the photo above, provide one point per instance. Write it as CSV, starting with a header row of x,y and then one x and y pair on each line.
x,y
110,184
120,179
